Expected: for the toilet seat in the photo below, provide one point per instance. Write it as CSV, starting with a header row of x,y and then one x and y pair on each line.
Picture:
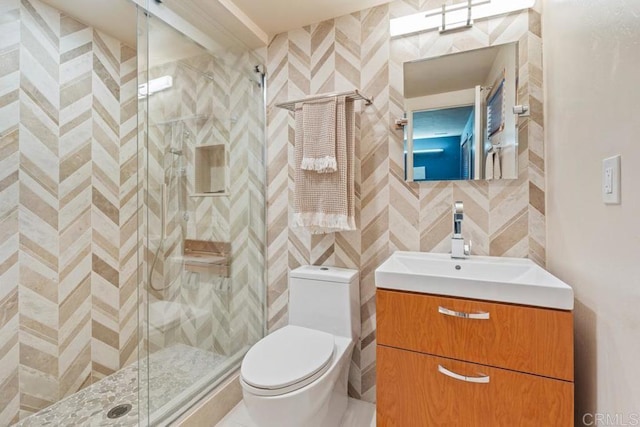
x,y
287,360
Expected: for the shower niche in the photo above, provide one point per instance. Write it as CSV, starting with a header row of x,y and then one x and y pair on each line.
x,y
211,171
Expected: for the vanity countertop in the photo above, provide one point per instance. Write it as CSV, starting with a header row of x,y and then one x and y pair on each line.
x,y
508,280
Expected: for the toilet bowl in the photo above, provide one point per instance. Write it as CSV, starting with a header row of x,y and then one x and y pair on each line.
x,y
297,376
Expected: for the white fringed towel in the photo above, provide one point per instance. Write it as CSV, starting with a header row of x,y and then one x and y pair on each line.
x,y
488,167
325,202
319,134
497,166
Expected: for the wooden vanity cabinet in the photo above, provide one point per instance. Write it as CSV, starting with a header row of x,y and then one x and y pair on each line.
x,y
454,362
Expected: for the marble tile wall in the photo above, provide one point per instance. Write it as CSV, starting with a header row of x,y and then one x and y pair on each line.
x,y
221,314
68,257
185,116
9,209
356,51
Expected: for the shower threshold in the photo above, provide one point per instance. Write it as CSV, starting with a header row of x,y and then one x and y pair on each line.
x,y
176,376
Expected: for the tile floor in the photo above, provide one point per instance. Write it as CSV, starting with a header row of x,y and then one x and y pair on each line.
x,y
359,414
172,371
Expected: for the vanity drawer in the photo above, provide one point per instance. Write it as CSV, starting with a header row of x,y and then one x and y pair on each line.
x,y
526,339
421,390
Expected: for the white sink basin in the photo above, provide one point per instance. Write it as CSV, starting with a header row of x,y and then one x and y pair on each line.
x,y
511,280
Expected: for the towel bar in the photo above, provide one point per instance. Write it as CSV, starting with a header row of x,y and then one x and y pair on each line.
x,y
353,94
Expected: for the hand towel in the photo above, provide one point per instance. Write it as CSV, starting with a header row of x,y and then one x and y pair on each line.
x,y
488,167
325,202
497,167
319,135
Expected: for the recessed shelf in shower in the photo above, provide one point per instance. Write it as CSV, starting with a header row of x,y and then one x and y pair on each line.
x,y
211,171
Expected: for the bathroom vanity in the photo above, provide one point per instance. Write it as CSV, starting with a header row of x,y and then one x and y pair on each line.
x,y
476,342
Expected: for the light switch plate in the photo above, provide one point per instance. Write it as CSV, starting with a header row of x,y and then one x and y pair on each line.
x,y
611,180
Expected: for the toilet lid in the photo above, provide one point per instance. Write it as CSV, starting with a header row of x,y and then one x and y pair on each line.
x,y
286,357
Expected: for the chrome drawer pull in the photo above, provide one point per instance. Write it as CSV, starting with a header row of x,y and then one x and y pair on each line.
x,y
479,380
463,315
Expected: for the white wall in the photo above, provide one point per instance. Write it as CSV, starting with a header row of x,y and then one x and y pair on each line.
x,y
592,74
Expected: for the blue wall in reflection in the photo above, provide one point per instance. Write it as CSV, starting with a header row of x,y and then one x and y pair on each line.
x,y
438,166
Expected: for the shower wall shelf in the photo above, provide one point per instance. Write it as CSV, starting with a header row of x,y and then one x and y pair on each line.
x,y
202,256
211,171
352,94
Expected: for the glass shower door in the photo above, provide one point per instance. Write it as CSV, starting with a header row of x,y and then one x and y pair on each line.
x,y
203,288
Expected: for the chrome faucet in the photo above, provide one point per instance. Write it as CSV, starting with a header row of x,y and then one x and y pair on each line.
x,y
459,249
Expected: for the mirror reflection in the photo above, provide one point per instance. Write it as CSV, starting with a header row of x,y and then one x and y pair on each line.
x,y
460,116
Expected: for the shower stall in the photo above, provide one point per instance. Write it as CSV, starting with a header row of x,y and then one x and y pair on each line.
x,y
132,211
201,116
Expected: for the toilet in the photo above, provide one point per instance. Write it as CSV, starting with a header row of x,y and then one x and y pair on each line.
x,y
297,376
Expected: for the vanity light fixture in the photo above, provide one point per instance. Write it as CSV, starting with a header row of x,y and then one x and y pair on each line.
x,y
455,16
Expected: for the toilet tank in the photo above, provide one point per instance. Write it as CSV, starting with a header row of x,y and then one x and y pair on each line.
x,y
326,299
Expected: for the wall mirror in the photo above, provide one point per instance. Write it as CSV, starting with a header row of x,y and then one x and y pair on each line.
x,y
460,111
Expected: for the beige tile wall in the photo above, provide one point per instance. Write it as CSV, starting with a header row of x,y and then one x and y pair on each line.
x,y
67,300
9,212
226,109
356,51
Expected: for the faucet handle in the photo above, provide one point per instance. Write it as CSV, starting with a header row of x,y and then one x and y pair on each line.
x,y
467,248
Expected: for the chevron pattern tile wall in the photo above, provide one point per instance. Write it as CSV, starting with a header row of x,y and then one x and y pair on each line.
x,y
223,106
68,220
9,210
75,205
356,51
130,202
